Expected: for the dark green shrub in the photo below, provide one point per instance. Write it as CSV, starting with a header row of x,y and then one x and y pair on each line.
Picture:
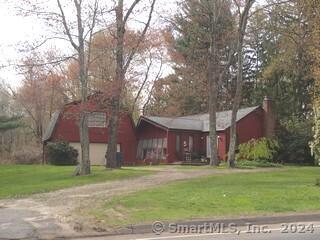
x,y
294,136
262,149
61,153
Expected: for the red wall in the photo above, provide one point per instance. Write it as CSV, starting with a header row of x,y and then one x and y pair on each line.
x,y
67,129
251,126
147,130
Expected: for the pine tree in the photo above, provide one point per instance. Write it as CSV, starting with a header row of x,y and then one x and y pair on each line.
x,y
9,123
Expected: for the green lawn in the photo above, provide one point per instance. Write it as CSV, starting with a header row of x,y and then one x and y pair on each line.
x,y
20,180
238,194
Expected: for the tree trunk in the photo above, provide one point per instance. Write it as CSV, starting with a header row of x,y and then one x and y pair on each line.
x,y
112,135
235,107
115,102
238,95
85,168
213,93
83,124
85,145
214,161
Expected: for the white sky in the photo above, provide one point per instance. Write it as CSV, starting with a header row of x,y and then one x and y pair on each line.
x,y
17,30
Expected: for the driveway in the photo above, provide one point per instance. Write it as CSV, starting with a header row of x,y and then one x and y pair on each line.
x,y
56,214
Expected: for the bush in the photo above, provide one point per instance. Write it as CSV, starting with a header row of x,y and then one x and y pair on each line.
x,y
61,153
262,149
255,164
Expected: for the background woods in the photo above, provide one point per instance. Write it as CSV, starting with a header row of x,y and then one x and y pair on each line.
x,y
201,56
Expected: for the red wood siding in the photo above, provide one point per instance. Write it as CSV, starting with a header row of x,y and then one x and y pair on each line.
x,y
147,130
67,129
250,127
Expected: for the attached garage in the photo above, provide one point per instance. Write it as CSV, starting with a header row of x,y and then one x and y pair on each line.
x,y
64,126
97,152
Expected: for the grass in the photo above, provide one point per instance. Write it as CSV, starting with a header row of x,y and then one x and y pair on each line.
x,y
21,180
229,195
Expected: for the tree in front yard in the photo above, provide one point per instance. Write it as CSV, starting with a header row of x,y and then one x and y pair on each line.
x,y
313,13
123,62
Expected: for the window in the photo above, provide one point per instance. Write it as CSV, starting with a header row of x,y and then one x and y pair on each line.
x,y
190,143
152,148
97,119
177,143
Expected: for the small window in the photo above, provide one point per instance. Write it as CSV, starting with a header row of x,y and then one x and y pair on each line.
x,y
97,119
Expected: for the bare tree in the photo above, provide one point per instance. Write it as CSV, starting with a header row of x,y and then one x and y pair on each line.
x,y
79,45
122,66
242,25
77,30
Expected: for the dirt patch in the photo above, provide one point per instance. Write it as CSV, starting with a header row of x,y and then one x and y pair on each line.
x,y
66,205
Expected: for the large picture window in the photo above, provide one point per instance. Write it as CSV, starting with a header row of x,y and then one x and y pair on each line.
x,y
97,119
154,148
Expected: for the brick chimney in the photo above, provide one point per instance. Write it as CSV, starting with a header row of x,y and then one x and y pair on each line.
x,y
269,117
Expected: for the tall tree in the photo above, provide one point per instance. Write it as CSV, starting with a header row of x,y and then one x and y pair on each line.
x,y
279,36
78,30
243,16
313,13
9,123
79,46
122,66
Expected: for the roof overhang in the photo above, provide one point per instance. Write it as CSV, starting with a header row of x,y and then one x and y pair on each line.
x,y
143,118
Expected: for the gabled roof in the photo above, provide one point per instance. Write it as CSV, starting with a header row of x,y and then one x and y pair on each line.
x,y
48,133
199,122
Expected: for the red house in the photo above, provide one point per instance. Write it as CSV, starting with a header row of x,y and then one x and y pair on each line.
x,y
64,127
159,139
167,140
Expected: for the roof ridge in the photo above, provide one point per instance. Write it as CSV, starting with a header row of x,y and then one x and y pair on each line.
x,y
198,123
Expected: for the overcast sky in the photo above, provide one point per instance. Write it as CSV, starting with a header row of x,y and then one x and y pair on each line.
x,y
17,30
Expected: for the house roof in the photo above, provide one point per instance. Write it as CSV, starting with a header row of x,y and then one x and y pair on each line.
x,y
199,122
48,133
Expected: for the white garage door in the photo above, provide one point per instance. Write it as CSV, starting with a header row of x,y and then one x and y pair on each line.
x,y
97,152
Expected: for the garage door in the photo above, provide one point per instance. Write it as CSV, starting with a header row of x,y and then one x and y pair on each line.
x,y
97,152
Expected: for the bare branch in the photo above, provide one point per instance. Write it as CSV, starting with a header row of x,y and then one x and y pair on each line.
x,y
125,19
66,28
134,50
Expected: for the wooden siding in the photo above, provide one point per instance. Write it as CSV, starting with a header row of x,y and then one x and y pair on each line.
x,y
67,129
